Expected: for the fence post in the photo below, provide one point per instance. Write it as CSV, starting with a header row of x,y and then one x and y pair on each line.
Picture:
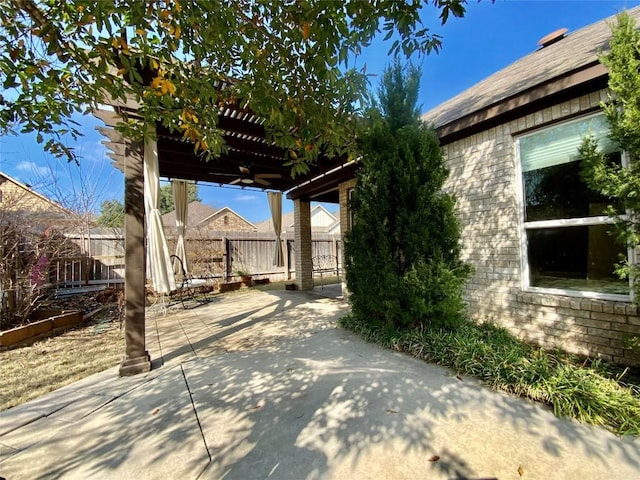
x,y
334,247
226,259
86,271
287,270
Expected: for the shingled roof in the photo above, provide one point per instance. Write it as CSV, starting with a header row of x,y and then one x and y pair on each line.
x,y
197,212
557,63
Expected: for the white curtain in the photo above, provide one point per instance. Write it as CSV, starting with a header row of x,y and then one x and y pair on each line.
x,y
275,204
158,259
182,213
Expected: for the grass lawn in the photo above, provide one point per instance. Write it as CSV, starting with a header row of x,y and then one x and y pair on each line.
x,y
30,371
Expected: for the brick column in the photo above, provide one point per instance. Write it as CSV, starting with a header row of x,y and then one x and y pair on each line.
x,y
136,359
345,226
304,265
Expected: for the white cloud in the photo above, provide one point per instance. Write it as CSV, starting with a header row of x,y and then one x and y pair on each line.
x,y
32,167
246,198
91,150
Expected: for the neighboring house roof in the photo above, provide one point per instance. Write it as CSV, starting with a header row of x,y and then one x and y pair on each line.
x,y
197,211
267,225
199,215
559,62
24,200
322,221
225,211
334,228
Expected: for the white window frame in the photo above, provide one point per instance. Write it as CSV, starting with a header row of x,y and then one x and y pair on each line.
x,y
564,222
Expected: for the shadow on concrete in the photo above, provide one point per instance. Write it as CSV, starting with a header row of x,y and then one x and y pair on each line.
x,y
286,394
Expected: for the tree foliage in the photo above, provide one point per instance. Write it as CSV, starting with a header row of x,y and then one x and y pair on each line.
x,y
166,197
403,252
620,183
111,214
286,61
112,211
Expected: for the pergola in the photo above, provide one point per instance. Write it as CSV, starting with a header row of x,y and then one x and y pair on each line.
x,y
250,161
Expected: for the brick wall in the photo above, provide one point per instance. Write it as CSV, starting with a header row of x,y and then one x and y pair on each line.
x,y
303,252
483,180
345,223
233,223
14,197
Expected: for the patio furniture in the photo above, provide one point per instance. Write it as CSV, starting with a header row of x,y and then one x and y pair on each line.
x,y
325,265
186,284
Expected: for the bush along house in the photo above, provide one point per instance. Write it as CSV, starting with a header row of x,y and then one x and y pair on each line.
x,y
535,234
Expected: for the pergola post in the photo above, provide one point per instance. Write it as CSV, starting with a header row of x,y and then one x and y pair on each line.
x,y
303,246
345,189
136,359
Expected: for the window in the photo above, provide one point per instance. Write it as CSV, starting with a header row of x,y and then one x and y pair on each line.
x,y
566,243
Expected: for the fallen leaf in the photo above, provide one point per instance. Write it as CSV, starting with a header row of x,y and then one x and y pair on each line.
x,y
155,412
520,470
391,411
435,458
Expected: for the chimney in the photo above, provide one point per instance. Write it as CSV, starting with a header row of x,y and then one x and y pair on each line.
x,y
552,38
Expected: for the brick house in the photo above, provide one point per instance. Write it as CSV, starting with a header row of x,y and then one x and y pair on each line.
x,y
16,198
32,229
535,234
226,219
205,218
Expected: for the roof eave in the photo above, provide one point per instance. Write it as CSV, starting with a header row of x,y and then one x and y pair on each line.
x,y
591,77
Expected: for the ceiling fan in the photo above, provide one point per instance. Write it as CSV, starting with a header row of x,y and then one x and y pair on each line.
x,y
247,178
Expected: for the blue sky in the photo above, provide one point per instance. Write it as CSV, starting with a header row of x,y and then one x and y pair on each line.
x,y
489,37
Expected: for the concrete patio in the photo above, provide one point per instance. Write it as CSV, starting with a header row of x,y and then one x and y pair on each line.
x,y
259,385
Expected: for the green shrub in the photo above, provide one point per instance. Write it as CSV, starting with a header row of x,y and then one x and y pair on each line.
x,y
587,391
403,264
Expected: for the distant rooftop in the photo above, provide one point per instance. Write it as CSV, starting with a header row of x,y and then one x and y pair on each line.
x,y
197,212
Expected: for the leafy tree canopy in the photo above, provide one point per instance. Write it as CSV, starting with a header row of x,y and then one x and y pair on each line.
x,y
286,61
166,197
111,214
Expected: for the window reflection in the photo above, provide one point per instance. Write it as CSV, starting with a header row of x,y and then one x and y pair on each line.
x,y
575,258
558,192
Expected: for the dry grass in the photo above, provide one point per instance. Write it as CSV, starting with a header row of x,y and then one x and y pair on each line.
x,y
31,371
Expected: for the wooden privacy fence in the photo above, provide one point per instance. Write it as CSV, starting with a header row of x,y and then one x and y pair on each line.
x,y
99,258
223,256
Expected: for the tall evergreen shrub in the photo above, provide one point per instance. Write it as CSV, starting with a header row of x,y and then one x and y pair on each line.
x,y
403,263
